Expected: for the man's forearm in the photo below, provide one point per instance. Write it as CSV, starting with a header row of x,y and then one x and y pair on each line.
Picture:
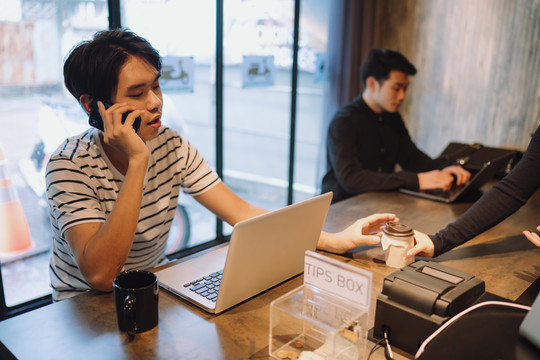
x,y
107,250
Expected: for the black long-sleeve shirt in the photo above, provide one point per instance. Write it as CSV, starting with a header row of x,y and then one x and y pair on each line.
x,y
501,201
363,148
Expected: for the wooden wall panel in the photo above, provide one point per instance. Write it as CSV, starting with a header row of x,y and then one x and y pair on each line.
x,y
478,67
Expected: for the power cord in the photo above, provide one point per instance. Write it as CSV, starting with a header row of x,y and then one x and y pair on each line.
x,y
377,345
388,354
422,347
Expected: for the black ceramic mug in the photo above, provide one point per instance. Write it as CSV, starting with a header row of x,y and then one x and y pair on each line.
x,y
136,299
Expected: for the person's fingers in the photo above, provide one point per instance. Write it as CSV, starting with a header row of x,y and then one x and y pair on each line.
x,y
377,222
463,176
533,237
380,217
423,245
372,240
447,183
415,250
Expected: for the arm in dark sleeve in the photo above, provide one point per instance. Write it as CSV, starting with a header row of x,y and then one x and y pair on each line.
x,y
413,159
501,201
348,164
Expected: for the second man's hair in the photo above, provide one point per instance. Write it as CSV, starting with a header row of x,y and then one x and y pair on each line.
x,y
379,62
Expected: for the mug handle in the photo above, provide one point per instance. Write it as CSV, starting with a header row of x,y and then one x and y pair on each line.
x,y
129,315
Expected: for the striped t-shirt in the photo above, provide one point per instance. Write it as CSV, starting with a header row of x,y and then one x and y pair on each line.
x,y
83,185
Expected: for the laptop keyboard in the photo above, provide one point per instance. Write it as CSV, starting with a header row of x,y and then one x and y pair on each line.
x,y
454,190
207,286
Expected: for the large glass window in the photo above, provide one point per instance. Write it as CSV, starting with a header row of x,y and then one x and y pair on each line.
x,y
258,61
257,42
36,114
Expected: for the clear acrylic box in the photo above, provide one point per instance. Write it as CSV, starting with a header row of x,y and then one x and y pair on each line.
x,y
313,324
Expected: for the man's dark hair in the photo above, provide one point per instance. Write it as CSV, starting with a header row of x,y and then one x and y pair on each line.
x,y
379,62
93,66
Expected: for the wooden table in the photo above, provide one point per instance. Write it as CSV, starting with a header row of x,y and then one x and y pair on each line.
x,y
85,327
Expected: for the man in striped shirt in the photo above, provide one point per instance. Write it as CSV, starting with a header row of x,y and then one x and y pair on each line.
x,y
113,192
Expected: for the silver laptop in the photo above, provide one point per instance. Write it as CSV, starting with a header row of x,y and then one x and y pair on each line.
x,y
263,252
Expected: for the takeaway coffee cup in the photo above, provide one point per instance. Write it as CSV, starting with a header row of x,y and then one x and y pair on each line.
x,y
136,299
397,239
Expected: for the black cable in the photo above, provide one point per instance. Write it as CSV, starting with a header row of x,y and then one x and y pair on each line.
x,y
375,347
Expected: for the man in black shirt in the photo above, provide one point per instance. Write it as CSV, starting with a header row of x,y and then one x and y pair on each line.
x,y
367,138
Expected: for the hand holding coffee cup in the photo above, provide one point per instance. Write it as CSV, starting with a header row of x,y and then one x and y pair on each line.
x,y
397,239
136,299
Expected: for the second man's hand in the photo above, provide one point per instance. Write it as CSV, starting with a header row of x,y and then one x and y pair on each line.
x,y
435,179
443,179
461,175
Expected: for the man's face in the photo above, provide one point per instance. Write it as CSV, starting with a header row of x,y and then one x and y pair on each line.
x,y
389,95
138,85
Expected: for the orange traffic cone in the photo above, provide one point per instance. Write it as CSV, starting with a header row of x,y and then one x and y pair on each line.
x,y
14,231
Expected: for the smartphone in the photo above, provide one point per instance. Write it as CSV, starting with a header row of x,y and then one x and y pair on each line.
x,y
96,121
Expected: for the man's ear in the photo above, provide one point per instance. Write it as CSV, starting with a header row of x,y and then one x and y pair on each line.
x,y
86,101
372,84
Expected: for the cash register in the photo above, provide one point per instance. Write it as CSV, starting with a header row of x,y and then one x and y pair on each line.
x,y
419,298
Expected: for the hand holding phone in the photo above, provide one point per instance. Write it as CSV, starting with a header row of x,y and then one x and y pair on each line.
x,y
96,121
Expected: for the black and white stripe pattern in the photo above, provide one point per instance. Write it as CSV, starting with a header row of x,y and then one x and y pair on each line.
x,y
82,186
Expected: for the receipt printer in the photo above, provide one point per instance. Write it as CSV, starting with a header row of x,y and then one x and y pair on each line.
x,y
419,298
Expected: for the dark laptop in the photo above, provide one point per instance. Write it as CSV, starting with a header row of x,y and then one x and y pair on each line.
x,y
485,173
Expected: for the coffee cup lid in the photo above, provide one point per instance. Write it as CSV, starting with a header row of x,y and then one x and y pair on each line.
x,y
396,229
